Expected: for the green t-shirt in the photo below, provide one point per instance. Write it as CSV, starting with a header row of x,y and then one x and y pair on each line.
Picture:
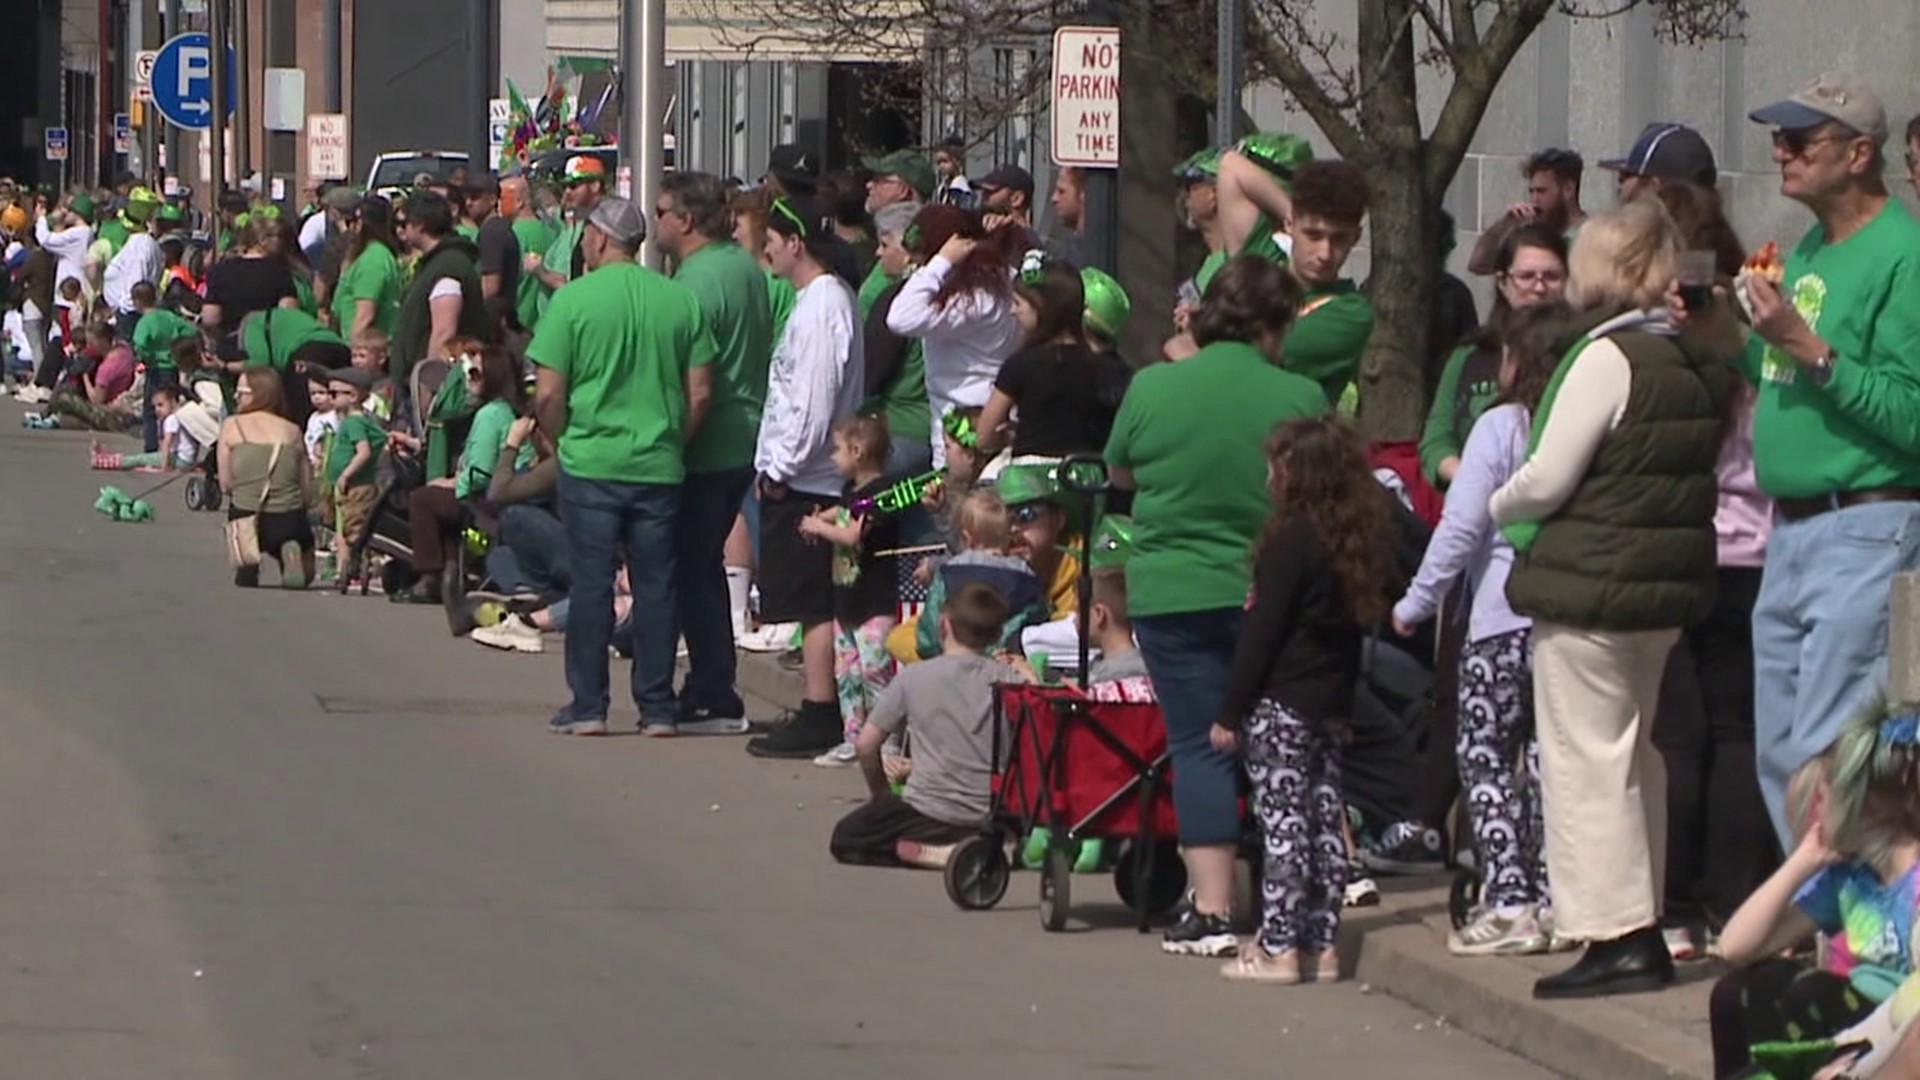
x,y
471,232
1328,336
781,296
374,276
909,415
1261,242
559,259
732,291
623,336
485,437
1211,266
1445,434
303,292
534,235
1862,429
1193,435
154,336
271,337
876,283
114,233
356,427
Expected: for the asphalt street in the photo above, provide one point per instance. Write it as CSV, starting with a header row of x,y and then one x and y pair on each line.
x,y
270,836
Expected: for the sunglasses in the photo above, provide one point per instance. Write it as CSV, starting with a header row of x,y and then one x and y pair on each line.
x,y
1796,143
1026,513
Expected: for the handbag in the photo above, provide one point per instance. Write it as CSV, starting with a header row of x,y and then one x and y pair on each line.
x,y
243,533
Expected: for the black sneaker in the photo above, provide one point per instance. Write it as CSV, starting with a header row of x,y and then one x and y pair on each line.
x,y
815,729
1196,934
1406,847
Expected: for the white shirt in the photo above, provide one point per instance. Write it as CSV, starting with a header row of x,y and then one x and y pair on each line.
x,y
313,232
186,452
445,287
318,425
69,246
140,260
964,343
818,376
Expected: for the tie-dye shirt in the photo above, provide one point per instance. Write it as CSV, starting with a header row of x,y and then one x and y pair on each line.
x,y
1869,924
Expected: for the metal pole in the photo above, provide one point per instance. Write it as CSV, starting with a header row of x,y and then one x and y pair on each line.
x,y
330,45
136,40
168,131
643,112
1102,192
216,133
480,32
1230,60
243,94
282,155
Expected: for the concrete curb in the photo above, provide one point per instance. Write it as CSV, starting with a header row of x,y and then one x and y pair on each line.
x,y
1399,953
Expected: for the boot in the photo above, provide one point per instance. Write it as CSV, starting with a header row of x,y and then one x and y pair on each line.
x,y
815,730
1633,964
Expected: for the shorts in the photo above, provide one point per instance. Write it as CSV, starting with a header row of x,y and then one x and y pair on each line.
x,y
796,572
349,513
279,528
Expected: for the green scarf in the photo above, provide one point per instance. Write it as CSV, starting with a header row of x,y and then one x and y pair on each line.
x,y
449,406
1522,534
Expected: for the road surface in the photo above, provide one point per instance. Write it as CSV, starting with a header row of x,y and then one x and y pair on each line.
x,y
267,836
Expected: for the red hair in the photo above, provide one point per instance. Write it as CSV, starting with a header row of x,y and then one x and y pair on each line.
x,y
989,269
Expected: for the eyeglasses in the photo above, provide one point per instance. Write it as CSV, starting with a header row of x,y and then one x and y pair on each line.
x,y
1797,143
1537,277
786,210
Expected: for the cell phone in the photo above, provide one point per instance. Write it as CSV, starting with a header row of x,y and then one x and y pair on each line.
x,y
1189,293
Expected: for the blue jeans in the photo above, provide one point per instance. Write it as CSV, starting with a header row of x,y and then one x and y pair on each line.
x,y
539,543
1820,633
708,504
607,521
149,423
1190,661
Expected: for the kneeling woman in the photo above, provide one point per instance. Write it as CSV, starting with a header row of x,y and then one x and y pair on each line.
x,y
436,513
265,473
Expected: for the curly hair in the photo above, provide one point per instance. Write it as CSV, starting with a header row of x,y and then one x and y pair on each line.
x,y
1335,190
1317,469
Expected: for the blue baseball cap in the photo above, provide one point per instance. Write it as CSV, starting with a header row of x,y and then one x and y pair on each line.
x,y
1668,152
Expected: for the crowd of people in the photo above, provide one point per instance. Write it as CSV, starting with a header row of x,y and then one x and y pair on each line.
x,y
1647,539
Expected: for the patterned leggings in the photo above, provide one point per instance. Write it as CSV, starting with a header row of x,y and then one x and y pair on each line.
x,y
862,667
1295,768
1496,727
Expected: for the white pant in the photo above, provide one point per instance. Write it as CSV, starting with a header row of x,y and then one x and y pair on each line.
x,y
1603,785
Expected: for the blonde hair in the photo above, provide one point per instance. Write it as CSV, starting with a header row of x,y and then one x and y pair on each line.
x,y
983,518
371,337
1624,258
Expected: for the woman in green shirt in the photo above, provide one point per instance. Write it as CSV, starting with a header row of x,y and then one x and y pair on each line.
x,y
437,511
369,289
1189,441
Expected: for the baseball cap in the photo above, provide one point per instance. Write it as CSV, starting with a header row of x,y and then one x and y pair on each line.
x,y
483,184
906,165
342,198
357,378
1668,152
584,168
794,166
1839,97
620,219
1007,177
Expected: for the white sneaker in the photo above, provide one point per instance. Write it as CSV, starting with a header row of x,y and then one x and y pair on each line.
x,y
837,758
773,638
512,635
1362,892
1490,933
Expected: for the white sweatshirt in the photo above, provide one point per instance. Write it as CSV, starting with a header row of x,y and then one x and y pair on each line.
x,y
1589,404
139,260
818,376
69,246
964,343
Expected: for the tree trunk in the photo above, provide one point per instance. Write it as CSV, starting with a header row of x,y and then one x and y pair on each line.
x,y
1393,392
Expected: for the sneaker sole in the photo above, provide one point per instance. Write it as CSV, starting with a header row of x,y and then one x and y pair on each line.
x,y
807,754
1638,984
579,727
660,731
1535,947
1216,945
726,726
828,761
511,645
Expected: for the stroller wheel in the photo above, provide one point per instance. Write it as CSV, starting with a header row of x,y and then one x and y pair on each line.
x,y
978,872
1165,887
193,493
1056,890
1463,897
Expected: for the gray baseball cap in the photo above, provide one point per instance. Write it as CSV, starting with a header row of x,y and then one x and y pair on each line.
x,y
621,219
1839,97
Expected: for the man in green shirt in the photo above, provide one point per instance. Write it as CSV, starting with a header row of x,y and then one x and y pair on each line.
x,y
1835,350
534,235
586,184
1254,207
624,382
695,227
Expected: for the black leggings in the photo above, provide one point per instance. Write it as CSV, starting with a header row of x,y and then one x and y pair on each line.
x,y
1777,1001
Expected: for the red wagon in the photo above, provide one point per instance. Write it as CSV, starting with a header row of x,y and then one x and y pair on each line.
x,y
1083,769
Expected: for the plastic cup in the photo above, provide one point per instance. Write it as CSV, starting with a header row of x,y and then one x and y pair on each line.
x,y
1696,272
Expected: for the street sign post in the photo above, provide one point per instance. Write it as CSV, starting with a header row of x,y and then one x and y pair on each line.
x,y
1086,96
56,144
143,74
327,146
122,133
182,81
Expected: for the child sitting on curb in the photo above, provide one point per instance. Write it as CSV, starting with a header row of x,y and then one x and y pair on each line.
x,y
947,704
187,432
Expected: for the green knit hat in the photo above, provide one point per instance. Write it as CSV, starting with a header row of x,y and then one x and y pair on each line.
x,y
1112,541
1108,305
1277,152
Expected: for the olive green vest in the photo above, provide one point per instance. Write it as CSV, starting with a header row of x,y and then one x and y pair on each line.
x,y
1633,549
454,257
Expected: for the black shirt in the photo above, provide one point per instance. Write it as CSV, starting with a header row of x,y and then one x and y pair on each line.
x,y
1066,397
1298,645
500,254
875,586
242,286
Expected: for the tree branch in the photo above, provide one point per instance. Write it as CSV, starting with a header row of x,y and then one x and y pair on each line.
x,y
1311,96
1432,19
1466,28
1475,79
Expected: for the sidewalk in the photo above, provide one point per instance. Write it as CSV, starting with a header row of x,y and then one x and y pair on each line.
x,y
1402,952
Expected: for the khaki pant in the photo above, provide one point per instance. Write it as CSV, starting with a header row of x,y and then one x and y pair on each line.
x,y
1602,783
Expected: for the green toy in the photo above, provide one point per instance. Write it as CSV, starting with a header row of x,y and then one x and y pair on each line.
x,y
901,496
1204,165
116,505
1278,153
1107,307
1112,542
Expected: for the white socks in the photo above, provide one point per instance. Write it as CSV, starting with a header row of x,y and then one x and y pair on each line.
x,y
739,581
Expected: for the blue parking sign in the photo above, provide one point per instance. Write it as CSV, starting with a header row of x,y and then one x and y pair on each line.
x,y
183,81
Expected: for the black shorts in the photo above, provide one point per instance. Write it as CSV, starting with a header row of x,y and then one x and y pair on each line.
x,y
796,572
279,528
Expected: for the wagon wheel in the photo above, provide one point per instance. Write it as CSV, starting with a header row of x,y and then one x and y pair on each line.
x,y
977,873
